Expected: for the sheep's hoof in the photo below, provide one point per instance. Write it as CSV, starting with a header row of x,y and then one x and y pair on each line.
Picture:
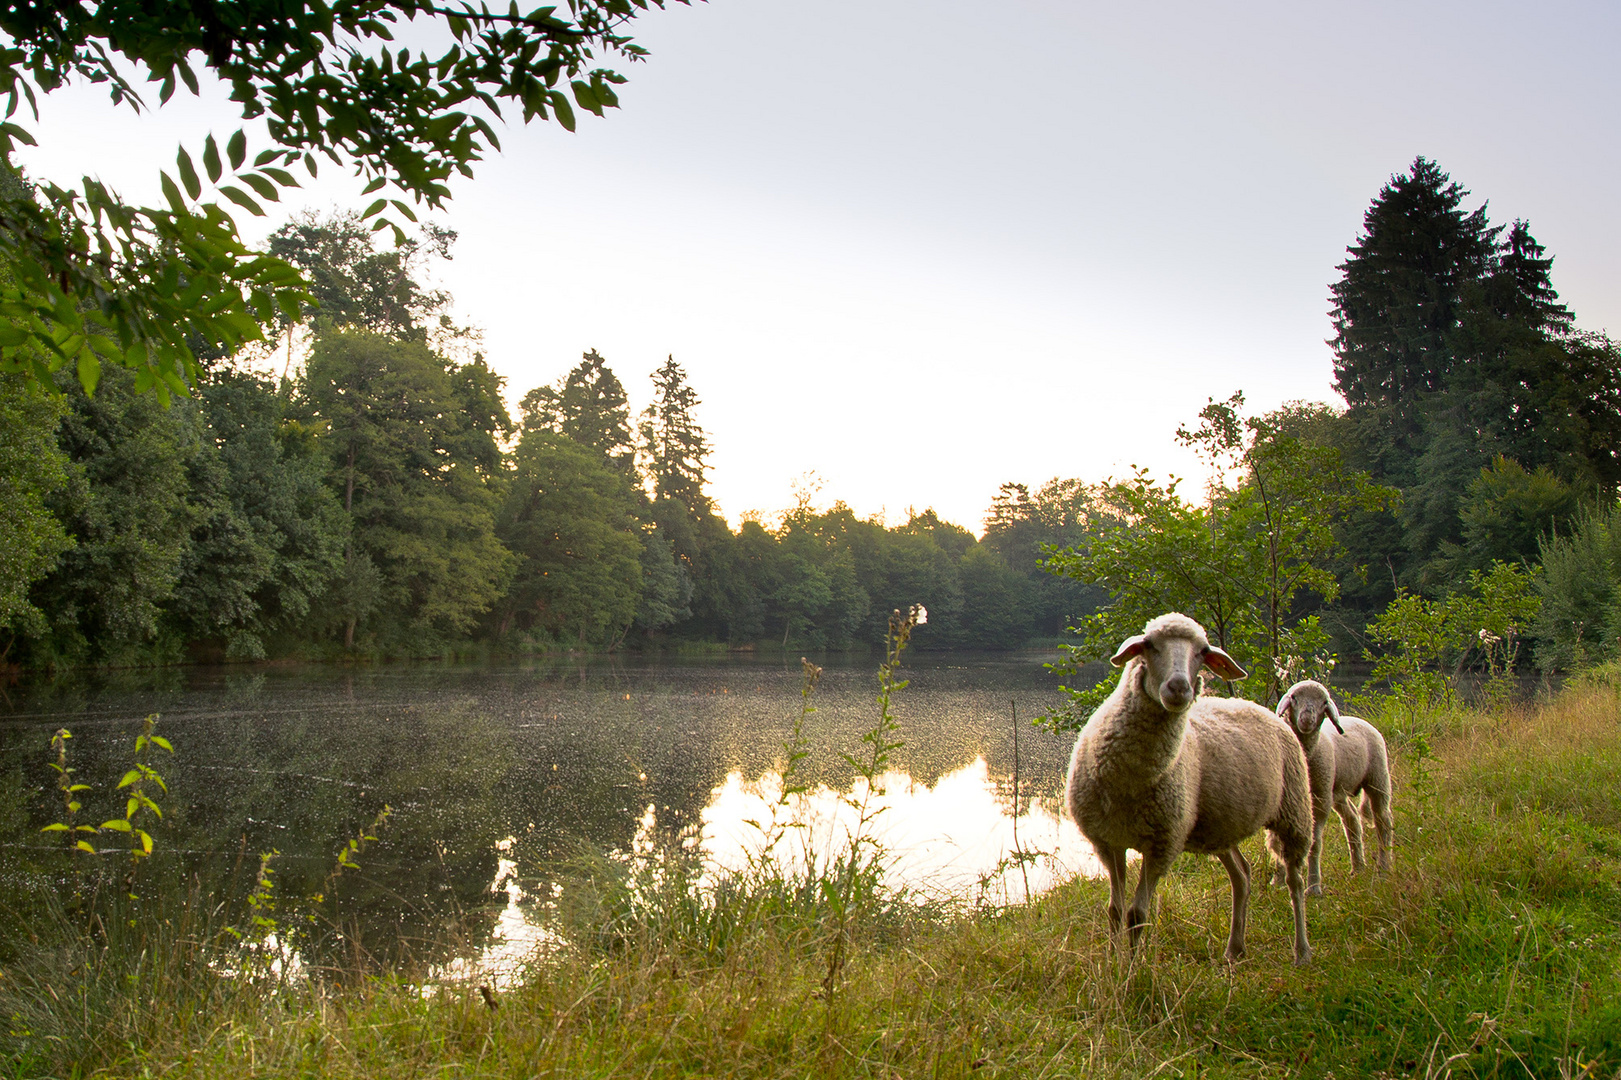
x,y
1303,958
1315,890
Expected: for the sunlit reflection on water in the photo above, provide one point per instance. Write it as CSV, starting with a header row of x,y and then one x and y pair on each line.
x,y
956,840
952,841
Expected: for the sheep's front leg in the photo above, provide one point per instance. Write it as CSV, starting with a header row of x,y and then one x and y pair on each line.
x,y
1238,870
1351,818
1314,861
1155,864
1114,861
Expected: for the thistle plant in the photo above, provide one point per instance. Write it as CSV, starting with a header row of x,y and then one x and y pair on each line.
x,y
795,749
860,869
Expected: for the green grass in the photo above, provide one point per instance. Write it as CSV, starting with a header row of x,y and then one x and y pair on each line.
x,y
1490,951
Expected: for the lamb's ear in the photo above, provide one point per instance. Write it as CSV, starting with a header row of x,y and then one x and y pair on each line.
x,y
1286,707
1128,648
1223,665
1334,715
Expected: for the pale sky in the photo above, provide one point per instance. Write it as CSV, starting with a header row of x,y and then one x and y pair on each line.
x,y
922,247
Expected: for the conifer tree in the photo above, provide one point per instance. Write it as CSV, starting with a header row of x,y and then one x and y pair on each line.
x,y
674,446
1398,304
589,406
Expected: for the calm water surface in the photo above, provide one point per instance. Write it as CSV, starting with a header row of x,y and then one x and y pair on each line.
x,y
498,775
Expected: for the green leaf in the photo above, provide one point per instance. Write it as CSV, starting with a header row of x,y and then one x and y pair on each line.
x,y
374,185
171,193
374,209
242,199
129,778
564,111
117,824
82,846
237,149
159,740
18,133
261,185
188,174
89,370
211,160
55,827
402,208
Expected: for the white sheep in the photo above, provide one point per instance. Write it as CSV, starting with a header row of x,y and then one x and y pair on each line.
x,y
1159,772
1345,762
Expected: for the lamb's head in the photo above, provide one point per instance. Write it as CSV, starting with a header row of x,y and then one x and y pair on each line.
x,y
1172,648
1303,708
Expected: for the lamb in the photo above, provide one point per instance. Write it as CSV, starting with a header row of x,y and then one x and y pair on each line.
x,y
1157,771
1349,760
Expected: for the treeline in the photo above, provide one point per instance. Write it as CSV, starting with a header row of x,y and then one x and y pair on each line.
x,y
380,500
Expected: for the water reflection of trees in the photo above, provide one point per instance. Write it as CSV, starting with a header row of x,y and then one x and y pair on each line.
x,y
565,757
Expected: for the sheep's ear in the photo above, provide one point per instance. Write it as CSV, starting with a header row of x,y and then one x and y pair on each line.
x,y
1334,715
1128,648
1223,665
1286,707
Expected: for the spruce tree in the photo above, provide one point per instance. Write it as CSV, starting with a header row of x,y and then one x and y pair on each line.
x,y
674,446
589,406
1398,305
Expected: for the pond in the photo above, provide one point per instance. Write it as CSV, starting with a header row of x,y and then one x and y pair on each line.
x,y
500,776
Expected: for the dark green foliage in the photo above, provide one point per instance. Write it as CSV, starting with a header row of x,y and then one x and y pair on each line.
x,y
666,583
32,468
996,600
270,536
588,405
1019,527
406,461
1400,299
126,506
674,446
1580,584
1458,361
570,520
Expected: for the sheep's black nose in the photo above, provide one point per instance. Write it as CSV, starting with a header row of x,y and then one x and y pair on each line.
x,y
1176,692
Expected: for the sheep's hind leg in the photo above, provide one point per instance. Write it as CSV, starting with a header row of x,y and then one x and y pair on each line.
x,y
1297,896
1238,869
1378,800
1352,820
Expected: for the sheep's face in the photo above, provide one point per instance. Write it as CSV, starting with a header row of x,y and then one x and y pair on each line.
x,y
1172,649
1304,707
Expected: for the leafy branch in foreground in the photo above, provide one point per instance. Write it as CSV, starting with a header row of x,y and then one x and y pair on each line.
x,y
94,279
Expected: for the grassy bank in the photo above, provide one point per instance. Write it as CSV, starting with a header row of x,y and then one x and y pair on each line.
x,y
1490,951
